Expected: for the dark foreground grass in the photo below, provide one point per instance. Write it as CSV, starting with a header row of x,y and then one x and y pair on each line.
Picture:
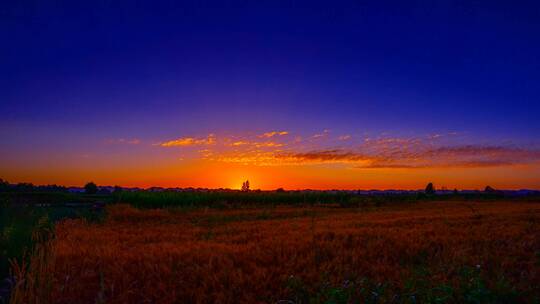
x,y
22,226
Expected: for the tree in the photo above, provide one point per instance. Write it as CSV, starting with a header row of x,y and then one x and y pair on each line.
x,y
90,188
4,185
245,186
24,187
489,189
430,189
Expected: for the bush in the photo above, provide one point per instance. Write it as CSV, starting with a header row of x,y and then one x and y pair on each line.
x,y
90,188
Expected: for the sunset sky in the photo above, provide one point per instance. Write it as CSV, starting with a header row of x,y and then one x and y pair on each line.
x,y
286,94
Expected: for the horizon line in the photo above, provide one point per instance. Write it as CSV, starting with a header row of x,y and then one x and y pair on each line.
x,y
277,188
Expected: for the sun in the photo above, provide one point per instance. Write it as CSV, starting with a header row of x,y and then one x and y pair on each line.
x,y
236,182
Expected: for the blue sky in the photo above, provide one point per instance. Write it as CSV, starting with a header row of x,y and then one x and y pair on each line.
x,y
77,74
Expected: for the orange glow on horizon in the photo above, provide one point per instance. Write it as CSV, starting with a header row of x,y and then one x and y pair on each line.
x,y
207,174
289,162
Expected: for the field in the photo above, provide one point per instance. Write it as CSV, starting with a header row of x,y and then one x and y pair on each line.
x,y
27,217
435,252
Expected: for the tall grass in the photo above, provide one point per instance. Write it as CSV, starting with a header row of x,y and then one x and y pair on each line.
x,y
420,253
34,274
17,225
24,230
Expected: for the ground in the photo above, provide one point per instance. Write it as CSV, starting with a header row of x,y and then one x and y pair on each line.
x,y
403,252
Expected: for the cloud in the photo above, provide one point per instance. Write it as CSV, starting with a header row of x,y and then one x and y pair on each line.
x,y
189,141
133,141
323,134
457,164
274,133
431,151
460,156
259,158
240,143
268,144
283,157
336,155
490,151
382,156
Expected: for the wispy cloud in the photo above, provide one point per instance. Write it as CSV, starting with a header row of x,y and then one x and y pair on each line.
x,y
257,144
132,141
269,144
335,155
274,133
461,156
189,141
464,157
320,135
240,143
430,151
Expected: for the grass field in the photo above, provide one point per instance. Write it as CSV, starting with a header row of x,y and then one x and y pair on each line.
x,y
24,222
435,252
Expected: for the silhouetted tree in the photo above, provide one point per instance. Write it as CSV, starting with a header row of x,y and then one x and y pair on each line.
x,y
4,185
24,187
489,189
51,188
90,188
245,186
117,189
280,190
104,191
430,189
456,192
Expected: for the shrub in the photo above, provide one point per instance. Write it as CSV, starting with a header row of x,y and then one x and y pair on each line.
x,y
90,188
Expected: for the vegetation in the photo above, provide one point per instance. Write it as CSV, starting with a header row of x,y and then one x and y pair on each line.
x,y
280,246
245,186
90,188
426,252
24,228
17,226
47,198
430,189
489,189
222,199
4,185
28,187
254,198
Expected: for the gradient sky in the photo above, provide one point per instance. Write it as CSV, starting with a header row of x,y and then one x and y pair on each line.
x,y
286,94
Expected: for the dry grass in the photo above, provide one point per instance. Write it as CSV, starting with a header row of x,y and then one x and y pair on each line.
x,y
35,275
428,252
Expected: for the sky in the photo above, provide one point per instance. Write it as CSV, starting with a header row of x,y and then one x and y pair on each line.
x,y
319,95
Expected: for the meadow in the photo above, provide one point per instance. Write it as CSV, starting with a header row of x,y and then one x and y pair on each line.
x,y
397,252
26,218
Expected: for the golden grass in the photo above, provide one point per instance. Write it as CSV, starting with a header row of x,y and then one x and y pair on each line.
x,y
35,276
299,254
